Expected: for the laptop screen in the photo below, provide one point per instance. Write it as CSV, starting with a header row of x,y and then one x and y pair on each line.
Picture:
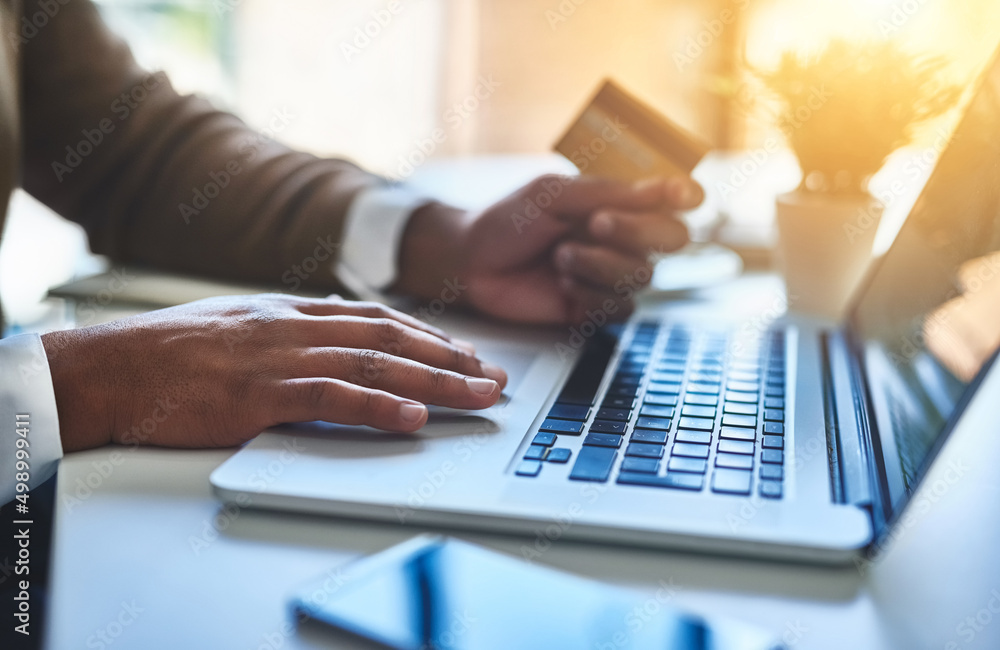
x,y
928,321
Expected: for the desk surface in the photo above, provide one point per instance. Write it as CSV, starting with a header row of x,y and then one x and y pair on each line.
x,y
141,539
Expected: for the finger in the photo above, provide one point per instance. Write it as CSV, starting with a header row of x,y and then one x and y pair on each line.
x,y
582,195
641,233
402,377
587,303
601,266
401,340
333,400
339,307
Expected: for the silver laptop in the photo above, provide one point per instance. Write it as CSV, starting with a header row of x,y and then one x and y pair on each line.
x,y
686,429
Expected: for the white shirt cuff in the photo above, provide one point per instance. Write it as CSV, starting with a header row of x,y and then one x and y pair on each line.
x,y
373,230
27,412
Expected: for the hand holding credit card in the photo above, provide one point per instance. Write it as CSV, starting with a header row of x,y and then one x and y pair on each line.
x,y
620,137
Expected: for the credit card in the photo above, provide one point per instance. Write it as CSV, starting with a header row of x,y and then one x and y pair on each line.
x,y
621,137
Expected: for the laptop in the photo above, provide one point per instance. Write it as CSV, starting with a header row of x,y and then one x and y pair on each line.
x,y
688,427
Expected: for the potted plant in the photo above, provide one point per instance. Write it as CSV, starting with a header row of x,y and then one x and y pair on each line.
x,y
843,111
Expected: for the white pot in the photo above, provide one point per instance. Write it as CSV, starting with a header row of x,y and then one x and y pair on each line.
x,y
824,247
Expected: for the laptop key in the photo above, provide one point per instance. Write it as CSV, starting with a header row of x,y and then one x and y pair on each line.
x,y
613,402
660,399
643,449
569,412
699,437
644,465
562,426
546,439
705,400
603,440
667,377
704,388
775,456
740,408
743,386
772,472
734,420
695,411
622,391
690,450
734,461
776,428
774,403
677,481
774,391
559,455
536,452
691,465
528,468
648,435
608,426
774,415
593,464
738,433
773,442
736,447
660,387
585,379
745,398
613,414
703,424
644,422
656,411
770,489
731,481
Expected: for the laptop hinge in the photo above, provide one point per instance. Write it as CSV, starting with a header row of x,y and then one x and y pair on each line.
x,y
849,454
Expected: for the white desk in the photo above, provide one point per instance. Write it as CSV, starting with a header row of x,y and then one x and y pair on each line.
x,y
131,541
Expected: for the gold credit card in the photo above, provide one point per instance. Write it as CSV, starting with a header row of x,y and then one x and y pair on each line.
x,y
618,136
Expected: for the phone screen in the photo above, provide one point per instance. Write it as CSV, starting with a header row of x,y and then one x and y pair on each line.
x,y
441,594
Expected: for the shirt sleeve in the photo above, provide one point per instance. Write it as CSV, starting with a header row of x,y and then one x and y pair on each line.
x,y
27,411
373,232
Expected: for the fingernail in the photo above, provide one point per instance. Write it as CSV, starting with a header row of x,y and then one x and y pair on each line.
x,y
603,224
481,386
412,411
682,191
464,345
647,183
564,257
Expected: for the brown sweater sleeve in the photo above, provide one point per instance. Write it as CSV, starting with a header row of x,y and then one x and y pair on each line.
x,y
164,180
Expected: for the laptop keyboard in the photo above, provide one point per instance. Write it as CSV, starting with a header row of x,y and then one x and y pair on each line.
x,y
686,410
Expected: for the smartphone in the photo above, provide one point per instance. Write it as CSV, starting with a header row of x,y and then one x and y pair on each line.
x,y
436,593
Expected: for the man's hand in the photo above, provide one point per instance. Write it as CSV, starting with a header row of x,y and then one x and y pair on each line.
x,y
552,251
217,372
